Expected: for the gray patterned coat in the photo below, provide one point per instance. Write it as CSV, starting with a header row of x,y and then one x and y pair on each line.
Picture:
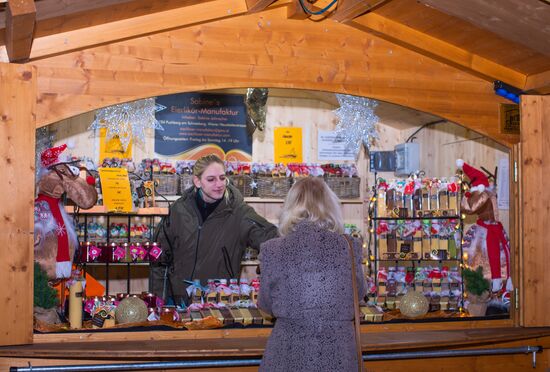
x,y
306,285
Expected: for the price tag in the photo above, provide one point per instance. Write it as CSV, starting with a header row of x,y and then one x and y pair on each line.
x,y
115,185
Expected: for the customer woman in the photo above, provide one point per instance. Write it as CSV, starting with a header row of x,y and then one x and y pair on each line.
x,y
206,232
306,284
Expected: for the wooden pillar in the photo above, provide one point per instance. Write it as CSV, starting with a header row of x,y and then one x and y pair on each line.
x,y
535,210
17,142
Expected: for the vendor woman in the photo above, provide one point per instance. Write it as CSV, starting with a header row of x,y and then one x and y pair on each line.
x,y
205,233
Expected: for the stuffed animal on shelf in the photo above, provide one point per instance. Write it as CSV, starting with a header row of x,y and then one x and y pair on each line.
x,y
55,237
486,241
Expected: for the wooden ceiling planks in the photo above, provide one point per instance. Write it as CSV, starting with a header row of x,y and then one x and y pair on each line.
x,y
20,18
525,22
465,35
258,50
438,49
63,27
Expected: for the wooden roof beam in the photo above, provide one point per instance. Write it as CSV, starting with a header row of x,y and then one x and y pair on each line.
x,y
295,11
20,19
347,10
204,11
437,49
538,83
47,9
255,6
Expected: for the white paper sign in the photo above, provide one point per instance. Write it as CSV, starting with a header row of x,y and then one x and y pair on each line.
x,y
331,148
503,184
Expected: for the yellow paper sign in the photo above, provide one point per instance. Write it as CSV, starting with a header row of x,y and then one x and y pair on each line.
x,y
288,145
112,148
115,186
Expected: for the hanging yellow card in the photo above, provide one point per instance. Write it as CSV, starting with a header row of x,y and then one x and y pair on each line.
x,y
112,148
288,145
115,186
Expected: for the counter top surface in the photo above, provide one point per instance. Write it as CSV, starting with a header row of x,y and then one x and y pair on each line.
x,y
147,345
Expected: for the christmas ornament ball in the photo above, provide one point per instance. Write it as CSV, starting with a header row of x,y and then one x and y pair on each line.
x,y
131,310
414,304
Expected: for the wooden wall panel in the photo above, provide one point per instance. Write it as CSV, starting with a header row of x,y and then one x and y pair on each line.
x,y
263,50
535,209
17,138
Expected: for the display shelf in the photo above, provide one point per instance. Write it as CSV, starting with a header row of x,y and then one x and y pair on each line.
x,y
416,260
454,217
255,199
149,214
102,210
114,263
425,230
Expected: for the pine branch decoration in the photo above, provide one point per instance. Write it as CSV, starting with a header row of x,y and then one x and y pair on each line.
x,y
44,295
475,282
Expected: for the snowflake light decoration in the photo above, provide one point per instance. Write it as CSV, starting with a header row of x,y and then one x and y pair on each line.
x,y
127,121
356,120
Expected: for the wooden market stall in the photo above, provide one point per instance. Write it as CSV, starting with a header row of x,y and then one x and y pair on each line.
x,y
88,55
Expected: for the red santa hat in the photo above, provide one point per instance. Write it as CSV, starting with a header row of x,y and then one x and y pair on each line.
x,y
478,179
50,156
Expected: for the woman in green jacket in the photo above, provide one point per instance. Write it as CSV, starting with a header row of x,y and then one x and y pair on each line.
x,y
205,233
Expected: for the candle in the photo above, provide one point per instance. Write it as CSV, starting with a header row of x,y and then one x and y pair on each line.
x,y
75,305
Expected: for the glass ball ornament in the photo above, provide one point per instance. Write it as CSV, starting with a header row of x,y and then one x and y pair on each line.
x,y
414,304
131,310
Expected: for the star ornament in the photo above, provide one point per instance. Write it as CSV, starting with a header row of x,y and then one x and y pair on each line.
x,y
127,121
356,121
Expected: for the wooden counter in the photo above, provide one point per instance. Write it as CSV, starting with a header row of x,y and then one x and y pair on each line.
x,y
84,348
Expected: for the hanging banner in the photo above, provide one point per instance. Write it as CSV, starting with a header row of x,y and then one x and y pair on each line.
x,y
288,145
112,148
198,124
330,147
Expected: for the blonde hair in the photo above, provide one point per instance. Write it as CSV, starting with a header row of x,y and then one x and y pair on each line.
x,y
203,162
310,199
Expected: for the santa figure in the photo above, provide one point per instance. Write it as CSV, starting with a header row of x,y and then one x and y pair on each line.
x,y
486,242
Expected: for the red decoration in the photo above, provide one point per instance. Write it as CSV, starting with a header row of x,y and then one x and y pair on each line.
x,y
50,156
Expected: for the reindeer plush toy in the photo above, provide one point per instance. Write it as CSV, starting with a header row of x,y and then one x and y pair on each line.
x,y
486,242
54,234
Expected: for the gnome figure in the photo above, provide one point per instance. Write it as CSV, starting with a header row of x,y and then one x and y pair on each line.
x,y
54,235
485,242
